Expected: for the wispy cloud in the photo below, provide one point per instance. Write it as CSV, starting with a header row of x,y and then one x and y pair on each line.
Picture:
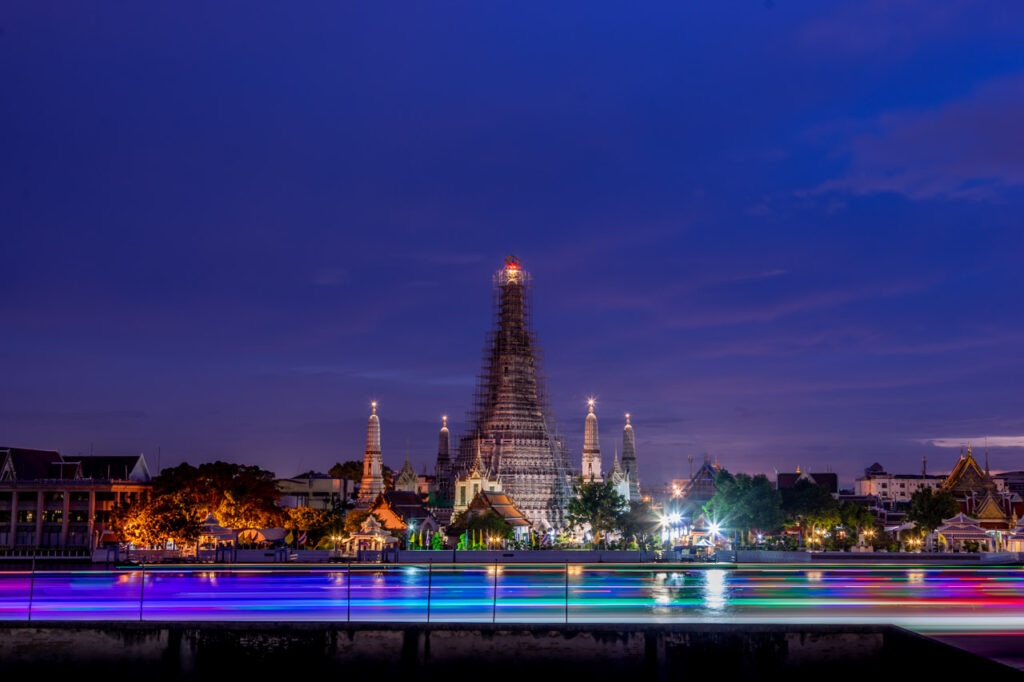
x,y
993,441
970,148
868,27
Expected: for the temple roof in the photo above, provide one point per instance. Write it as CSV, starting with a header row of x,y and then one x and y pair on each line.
x,y
406,506
113,467
407,479
967,476
702,484
29,464
502,505
826,479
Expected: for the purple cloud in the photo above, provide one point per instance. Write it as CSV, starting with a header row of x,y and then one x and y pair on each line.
x,y
970,148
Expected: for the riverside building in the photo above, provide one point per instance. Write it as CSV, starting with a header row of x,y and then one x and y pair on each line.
x,y
48,501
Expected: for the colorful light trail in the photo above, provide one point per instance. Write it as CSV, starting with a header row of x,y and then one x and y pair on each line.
x,y
927,599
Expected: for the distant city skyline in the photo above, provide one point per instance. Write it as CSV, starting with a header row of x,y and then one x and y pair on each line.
x,y
783,234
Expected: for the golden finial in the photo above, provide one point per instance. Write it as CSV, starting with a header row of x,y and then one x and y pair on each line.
x,y
444,421
627,419
590,403
373,404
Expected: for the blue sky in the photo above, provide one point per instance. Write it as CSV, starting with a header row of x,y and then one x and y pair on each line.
x,y
783,233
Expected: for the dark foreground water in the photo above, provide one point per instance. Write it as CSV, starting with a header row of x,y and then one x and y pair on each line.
x,y
926,599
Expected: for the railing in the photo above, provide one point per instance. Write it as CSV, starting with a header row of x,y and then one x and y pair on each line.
x,y
351,593
508,593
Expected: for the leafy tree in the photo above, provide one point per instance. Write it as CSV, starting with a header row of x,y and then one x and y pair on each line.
x,y
745,503
638,524
810,505
157,520
309,520
354,520
490,523
351,470
596,504
856,518
928,508
334,521
240,496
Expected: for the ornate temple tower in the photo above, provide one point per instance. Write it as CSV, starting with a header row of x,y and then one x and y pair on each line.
x,y
629,460
407,480
591,464
443,481
373,474
619,479
508,422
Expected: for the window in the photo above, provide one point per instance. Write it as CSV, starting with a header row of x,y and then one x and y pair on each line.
x,y
26,516
53,496
27,498
78,516
105,496
462,494
79,496
53,516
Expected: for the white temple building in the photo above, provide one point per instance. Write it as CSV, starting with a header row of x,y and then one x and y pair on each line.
x,y
591,464
373,465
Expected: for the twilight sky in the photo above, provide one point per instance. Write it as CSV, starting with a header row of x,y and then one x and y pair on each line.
x,y
783,233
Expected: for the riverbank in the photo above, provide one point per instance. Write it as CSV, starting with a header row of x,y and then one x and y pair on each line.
x,y
415,557
924,558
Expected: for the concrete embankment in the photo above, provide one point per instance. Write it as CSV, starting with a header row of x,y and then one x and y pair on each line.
x,y
944,558
554,556
238,651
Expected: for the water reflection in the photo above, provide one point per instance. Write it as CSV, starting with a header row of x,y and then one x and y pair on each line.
x,y
714,589
976,599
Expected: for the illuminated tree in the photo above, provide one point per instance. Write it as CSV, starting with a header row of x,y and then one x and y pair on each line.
x,y
354,520
158,520
306,519
928,508
745,503
595,504
239,496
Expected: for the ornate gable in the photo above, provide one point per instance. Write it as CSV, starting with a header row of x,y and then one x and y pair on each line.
x,y
967,476
989,509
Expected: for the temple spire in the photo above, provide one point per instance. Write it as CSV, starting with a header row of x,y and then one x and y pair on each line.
x,y
407,480
478,463
591,468
510,409
629,460
443,487
373,475
444,440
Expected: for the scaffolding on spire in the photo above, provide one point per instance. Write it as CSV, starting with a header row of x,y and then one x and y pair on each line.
x,y
511,423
